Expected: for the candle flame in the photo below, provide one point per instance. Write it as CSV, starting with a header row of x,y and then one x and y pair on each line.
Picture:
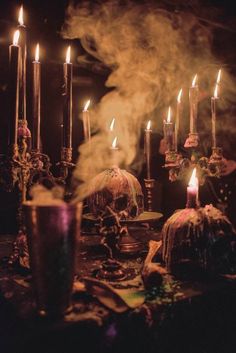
x,y
169,115
86,105
179,96
194,81
193,180
37,52
112,124
218,77
16,37
21,17
216,91
148,125
114,143
68,55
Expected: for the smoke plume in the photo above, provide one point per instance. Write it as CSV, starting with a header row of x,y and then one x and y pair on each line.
x,y
152,52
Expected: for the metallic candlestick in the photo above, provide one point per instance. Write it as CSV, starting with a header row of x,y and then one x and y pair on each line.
x,y
149,185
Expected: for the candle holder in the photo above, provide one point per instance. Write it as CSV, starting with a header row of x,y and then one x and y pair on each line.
x,y
149,185
179,166
65,163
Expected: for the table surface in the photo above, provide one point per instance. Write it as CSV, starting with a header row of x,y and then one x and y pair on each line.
x,y
186,316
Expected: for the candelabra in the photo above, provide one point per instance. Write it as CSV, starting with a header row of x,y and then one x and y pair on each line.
x,y
179,165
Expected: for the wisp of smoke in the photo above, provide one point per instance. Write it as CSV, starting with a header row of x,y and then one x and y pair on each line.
x,y
152,53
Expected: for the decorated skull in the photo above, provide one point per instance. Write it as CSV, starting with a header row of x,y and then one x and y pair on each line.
x,y
117,190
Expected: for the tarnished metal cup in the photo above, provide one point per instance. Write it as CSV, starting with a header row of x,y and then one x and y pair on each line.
x,y
52,236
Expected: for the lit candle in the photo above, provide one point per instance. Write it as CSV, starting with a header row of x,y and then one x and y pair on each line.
x,y
147,148
86,122
23,59
214,101
169,131
36,100
114,150
192,191
14,70
112,125
178,114
193,101
67,111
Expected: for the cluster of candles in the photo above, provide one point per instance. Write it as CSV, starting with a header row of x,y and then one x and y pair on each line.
x,y
17,91
171,128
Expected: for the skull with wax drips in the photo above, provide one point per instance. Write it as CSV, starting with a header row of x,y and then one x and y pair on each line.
x,y
117,190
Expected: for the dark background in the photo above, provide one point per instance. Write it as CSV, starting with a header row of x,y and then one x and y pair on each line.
x,y
44,20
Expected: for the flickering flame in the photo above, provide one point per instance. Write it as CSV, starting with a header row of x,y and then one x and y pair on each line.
x,y
21,17
86,105
114,143
194,81
68,55
216,91
169,115
16,37
112,124
179,96
218,77
193,180
148,125
37,52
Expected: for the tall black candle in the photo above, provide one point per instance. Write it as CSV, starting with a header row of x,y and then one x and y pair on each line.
x,y
67,110
23,58
36,100
14,66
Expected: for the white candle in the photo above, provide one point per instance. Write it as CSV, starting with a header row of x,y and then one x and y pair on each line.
x,y
23,59
67,112
169,131
214,101
193,101
178,114
147,148
86,122
112,125
192,191
114,149
36,100
14,66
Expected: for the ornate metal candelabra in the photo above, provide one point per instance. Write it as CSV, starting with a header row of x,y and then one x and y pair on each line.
x,y
179,166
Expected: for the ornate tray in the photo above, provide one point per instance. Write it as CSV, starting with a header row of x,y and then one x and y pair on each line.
x,y
142,218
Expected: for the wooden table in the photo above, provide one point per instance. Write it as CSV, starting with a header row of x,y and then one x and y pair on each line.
x,y
201,320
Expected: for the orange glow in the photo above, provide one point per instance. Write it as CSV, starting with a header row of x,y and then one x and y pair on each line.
x,y
37,52
16,37
218,77
112,124
216,91
86,105
169,115
194,81
179,96
114,143
68,55
193,180
21,17
148,125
